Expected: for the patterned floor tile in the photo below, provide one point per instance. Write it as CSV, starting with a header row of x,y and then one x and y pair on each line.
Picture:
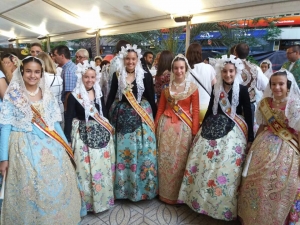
x,y
152,212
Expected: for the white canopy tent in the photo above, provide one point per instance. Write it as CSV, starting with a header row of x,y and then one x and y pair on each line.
x,y
25,20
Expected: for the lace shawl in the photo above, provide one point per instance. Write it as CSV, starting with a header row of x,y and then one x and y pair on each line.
x,y
292,109
139,72
16,109
82,92
218,87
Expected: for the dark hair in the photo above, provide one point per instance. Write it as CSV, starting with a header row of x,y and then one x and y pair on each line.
x,y
242,50
281,73
10,56
267,64
36,44
63,50
147,53
104,62
180,59
164,62
120,44
194,54
28,60
232,50
295,48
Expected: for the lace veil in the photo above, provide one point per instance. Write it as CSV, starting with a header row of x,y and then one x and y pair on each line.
x,y
139,72
80,88
172,77
218,87
292,109
16,109
269,72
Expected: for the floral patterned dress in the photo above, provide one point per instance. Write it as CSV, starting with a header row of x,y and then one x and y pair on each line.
x,y
270,193
135,144
214,166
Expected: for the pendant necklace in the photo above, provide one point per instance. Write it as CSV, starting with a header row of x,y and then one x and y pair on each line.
x,y
34,93
277,102
178,85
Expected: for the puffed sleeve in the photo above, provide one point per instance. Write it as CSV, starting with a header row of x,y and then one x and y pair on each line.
x,y
161,107
210,106
245,101
113,91
70,114
4,142
195,112
149,92
104,109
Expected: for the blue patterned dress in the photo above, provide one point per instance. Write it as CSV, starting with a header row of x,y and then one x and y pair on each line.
x,y
135,144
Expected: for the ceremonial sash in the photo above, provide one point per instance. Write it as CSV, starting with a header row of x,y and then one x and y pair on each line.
x,y
277,127
38,121
226,108
93,112
183,116
139,109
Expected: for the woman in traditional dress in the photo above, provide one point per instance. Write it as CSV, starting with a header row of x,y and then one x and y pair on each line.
x,y
177,122
202,74
92,141
266,67
213,171
270,191
131,114
41,184
163,74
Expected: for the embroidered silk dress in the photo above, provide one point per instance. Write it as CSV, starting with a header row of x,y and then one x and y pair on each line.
x,y
94,155
41,184
270,193
135,144
174,139
214,166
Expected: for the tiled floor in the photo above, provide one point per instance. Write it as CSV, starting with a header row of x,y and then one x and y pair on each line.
x,y
151,212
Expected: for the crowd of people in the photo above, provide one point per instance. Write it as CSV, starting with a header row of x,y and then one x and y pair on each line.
x,y
219,135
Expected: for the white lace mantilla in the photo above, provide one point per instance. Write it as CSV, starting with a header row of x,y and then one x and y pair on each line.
x,y
16,109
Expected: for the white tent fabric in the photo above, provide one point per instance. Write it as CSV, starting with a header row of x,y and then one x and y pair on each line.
x,y
25,20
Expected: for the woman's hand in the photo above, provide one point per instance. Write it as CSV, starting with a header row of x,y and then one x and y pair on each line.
x,y
3,167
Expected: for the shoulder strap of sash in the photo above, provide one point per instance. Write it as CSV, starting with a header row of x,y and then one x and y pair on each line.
x,y
277,127
226,108
183,116
95,114
38,121
139,109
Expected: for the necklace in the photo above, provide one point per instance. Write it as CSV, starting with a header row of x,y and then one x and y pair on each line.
x,y
178,85
89,90
33,93
280,101
130,73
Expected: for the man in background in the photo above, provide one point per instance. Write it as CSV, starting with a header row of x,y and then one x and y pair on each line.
x,y
293,65
81,55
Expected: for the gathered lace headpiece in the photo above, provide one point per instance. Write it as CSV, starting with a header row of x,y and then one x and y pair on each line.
x,y
269,72
218,87
16,109
139,72
292,109
80,89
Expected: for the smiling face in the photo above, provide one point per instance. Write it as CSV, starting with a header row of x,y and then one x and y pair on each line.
x,y
32,74
279,86
89,79
228,73
179,69
130,61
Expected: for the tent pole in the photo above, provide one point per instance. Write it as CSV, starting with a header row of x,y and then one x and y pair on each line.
x,y
98,43
187,35
48,44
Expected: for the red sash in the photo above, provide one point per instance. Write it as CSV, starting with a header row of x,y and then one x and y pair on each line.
x,y
38,121
182,115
